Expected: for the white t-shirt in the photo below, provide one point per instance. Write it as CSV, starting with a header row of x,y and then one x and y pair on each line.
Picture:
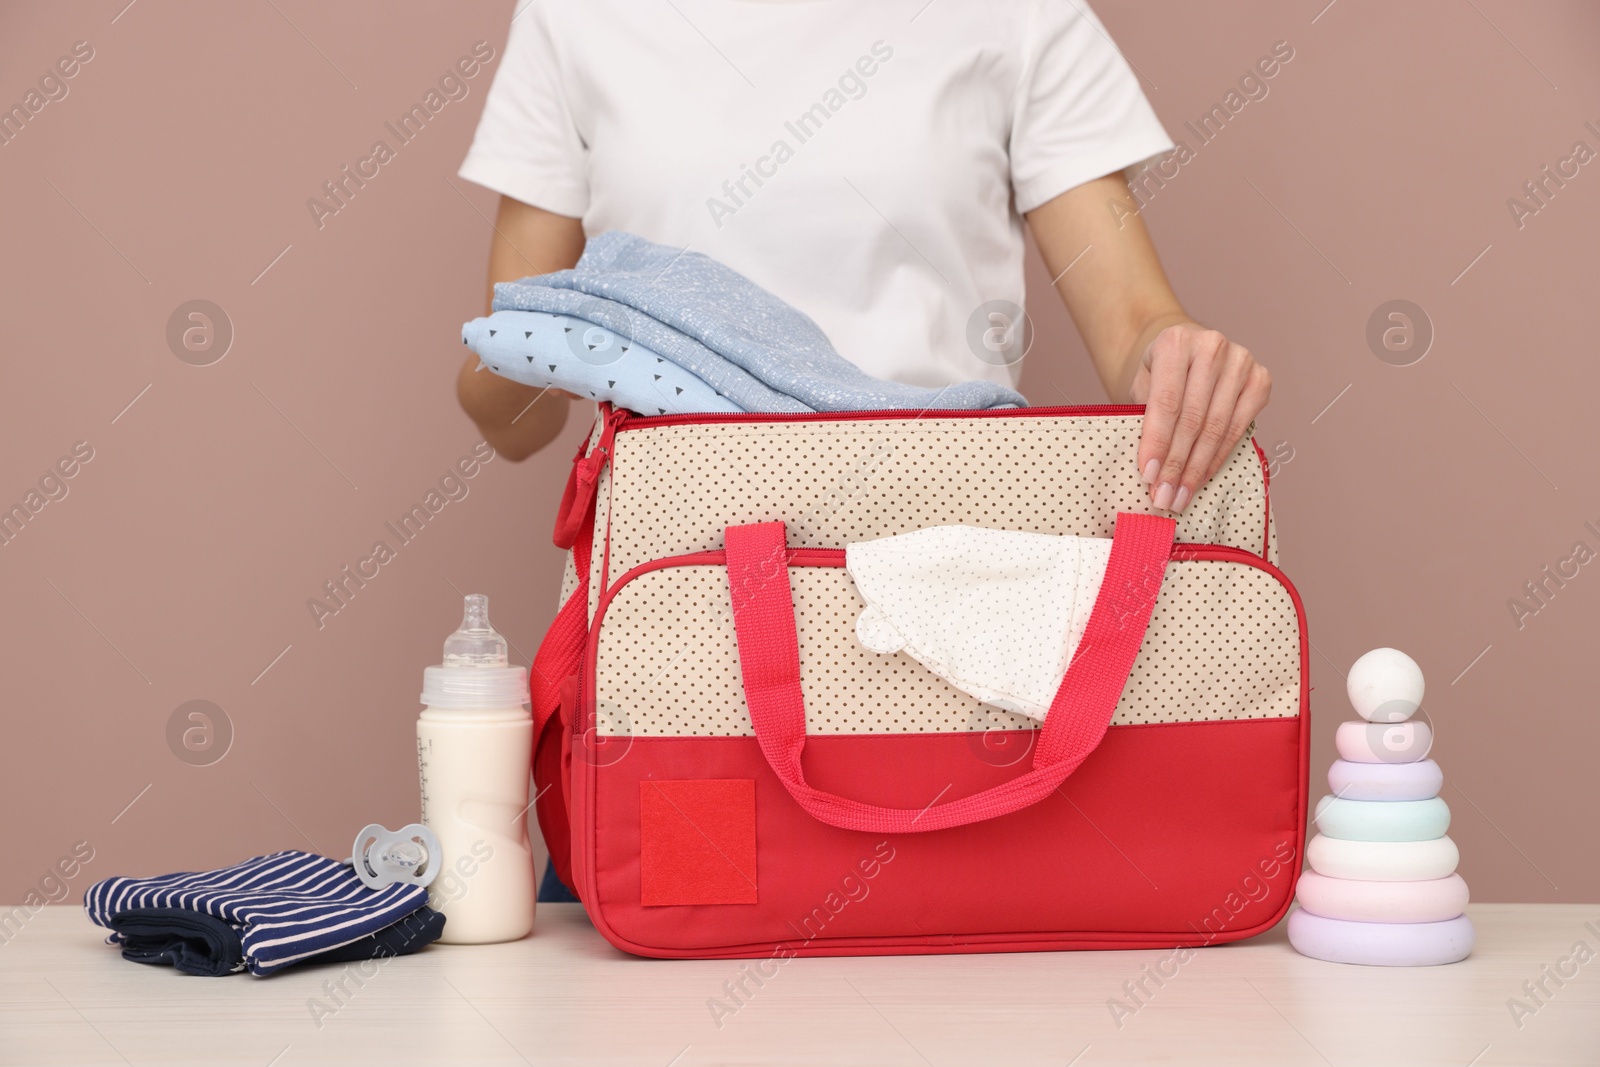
x,y
865,161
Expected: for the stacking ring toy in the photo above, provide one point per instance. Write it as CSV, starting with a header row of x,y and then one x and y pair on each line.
x,y
1380,944
1385,685
1434,900
1383,861
1382,820
1375,742
1385,781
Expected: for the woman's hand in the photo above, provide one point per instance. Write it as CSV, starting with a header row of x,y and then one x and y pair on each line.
x,y
1201,392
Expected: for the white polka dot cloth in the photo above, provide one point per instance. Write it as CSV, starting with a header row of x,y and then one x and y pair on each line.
x,y
996,613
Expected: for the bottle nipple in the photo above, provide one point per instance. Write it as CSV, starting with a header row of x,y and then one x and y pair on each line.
x,y
475,644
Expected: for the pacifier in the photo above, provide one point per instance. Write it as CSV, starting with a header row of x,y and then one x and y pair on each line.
x,y
407,856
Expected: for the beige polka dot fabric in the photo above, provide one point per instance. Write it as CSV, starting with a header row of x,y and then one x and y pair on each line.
x,y
674,488
1223,642
1272,539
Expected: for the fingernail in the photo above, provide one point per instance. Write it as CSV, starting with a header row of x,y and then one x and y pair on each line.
x,y
1151,469
1164,496
1183,498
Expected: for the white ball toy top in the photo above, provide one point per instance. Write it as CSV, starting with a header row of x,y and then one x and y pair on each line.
x,y
1385,685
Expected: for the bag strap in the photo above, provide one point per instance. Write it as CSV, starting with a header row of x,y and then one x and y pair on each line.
x,y
769,662
561,652
553,675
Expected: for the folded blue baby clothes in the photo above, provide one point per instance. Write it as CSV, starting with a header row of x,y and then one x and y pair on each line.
x,y
193,942
559,352
750,347
288,907
189,941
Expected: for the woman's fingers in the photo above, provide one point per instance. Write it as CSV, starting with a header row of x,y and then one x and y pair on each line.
x,y
1204,391
1205,352
1215,441
1167,361
1252,399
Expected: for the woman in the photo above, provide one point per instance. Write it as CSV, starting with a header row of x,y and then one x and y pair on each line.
x,y
872,163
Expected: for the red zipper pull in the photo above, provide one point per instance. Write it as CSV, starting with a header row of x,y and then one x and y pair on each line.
x,y
577,499
589,469
608,433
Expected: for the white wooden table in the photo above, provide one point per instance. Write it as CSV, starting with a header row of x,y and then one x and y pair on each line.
x,y
565,996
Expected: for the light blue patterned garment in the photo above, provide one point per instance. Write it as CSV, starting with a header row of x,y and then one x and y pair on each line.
x,y
554,351
750,348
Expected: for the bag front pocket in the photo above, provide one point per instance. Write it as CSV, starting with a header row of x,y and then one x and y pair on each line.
x,y
1183,826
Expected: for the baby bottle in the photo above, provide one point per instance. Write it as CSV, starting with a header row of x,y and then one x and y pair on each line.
x,y
474,740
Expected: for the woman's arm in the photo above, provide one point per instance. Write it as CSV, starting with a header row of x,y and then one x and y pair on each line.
x,y
1201,390
517,419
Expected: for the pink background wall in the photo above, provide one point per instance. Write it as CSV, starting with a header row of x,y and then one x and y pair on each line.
x,y
219,498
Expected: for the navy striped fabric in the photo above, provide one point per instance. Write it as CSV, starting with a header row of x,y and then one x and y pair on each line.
x,y
286,906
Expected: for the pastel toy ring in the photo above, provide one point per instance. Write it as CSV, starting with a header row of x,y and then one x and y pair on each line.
x,y
1431,900
1381,944
1385,781
1372,742
1383,861
1382,820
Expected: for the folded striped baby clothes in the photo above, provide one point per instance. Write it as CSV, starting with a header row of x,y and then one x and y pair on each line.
x,y
287,907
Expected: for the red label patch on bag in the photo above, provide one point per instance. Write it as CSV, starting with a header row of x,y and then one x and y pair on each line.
x,y
697,841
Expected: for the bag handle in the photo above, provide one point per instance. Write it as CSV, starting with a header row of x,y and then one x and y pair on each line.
x,y
769,662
